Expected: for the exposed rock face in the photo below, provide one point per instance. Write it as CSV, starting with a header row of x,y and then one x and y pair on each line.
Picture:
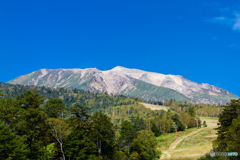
x,y
129,82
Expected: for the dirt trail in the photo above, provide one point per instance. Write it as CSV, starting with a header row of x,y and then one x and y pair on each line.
x,y
166,155
177,141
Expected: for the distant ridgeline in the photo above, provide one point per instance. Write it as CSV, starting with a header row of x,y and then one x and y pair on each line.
x,y
93,100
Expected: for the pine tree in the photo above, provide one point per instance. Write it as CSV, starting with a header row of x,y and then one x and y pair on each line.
x,y
230,112
233,136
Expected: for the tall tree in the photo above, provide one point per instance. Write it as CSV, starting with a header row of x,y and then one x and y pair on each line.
x,y
79,116
226,132
34,122
155,129
103,132
127,134
233,136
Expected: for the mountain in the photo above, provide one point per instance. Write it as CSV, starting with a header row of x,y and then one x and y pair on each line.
x,y
131,82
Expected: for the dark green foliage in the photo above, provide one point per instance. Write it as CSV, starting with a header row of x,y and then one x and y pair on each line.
x,y
144,146
204,124
191,111
154,129
127,134
177,121
80,147
34,121
54,108
79,116
228,139
95,101
11,145
103,134
10,112
233,136
138,123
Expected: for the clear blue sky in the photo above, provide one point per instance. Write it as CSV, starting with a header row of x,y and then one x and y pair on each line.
x,y
199,40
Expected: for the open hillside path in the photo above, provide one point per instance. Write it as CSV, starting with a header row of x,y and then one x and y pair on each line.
x,y
167,155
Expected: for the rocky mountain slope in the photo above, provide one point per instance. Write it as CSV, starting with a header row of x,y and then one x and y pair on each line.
x,y
132,82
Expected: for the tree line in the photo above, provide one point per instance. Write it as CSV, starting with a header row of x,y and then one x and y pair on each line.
x,y
210,110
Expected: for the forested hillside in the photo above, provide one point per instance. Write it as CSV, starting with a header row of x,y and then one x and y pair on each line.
x,y
200,109
93,100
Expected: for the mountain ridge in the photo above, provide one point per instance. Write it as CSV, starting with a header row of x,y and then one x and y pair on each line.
x,y
129,82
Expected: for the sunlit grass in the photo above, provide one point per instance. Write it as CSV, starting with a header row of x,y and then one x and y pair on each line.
x,y
164,141
192,147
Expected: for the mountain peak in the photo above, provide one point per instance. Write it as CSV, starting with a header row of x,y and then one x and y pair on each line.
x,y
118,67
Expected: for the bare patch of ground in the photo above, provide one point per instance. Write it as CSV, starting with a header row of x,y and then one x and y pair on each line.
x,y
154,107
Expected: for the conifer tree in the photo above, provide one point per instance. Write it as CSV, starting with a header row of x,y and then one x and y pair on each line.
x,y
154,129
33,124
79,146
54,108
103,133
227,119
128,133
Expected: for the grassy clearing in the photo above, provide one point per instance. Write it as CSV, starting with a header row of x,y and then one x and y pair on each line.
x,y
209,118
165,141
155,107
193,146
197,144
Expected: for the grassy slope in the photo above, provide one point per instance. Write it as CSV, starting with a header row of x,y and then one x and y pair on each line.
x,y
191,147
149,91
